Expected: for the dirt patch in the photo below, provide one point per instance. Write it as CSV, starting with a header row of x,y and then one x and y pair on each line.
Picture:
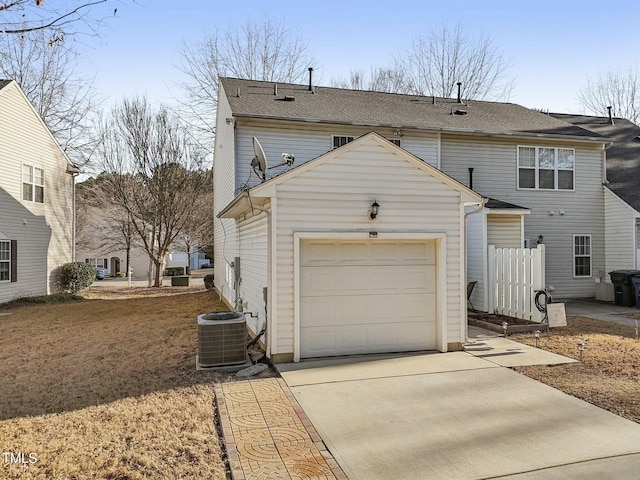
x,y
106,387
609,374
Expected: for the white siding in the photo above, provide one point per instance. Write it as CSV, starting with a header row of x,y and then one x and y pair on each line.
x,y
44,232
224,178
335,197
308,144
495,174
477,258
504,231
620,230
253,267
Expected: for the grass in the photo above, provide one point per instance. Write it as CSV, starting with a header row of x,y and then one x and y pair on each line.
x,y
609,374
106,387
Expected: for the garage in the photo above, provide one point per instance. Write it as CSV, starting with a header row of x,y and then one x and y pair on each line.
x,y
365,295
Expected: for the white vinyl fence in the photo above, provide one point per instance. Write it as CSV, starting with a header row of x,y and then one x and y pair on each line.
x,y
515,274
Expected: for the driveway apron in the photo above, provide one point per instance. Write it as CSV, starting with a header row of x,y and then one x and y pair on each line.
x,y
457,416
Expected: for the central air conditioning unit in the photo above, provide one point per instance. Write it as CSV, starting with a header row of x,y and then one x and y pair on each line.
x,y
222,339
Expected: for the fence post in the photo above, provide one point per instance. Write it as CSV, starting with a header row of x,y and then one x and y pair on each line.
x,y
491,281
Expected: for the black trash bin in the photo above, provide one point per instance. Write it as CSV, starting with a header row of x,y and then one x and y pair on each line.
x,y
623,287
636,284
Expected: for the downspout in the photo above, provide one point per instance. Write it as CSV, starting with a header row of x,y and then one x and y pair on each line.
x,y
465,333
605,147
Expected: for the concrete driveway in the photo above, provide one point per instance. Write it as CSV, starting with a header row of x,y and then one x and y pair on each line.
x,y
459,416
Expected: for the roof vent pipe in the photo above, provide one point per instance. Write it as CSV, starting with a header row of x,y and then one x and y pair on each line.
x,y
610,116
459,92
275,89
238,92
310,78
434,99
471,178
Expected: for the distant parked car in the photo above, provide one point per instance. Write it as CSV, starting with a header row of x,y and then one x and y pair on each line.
x,y
101,273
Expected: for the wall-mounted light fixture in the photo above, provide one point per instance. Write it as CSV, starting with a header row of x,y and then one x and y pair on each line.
x,y
540,239
398,133
229,120
373,211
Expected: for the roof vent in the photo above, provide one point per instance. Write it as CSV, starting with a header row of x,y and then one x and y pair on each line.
x,y
610,116
310,77
460,112
289,98
459,92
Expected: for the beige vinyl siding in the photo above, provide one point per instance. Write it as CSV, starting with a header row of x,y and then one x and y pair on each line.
x,y
335,197
44,232
495,175
620,232
307,144
253,239
477,258
224,178
504,231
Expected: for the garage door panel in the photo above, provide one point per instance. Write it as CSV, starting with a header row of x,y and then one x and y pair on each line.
x,y
364,310
374,280
352,340
367,296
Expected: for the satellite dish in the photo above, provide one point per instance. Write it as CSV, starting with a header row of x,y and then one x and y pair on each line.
x,y
260,159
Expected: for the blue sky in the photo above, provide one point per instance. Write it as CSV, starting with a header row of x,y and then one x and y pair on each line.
x,y
553,46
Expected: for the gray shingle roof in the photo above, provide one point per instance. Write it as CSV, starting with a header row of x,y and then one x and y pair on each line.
x,y
623,157
4,83
499,204
356,107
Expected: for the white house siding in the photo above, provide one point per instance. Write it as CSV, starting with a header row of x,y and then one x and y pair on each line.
x,y
253,233
44,232
504,231
224,178
306,144
495,175
476,258
620,233
335,197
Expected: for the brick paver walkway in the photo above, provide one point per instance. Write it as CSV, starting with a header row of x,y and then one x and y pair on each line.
x,y
268,436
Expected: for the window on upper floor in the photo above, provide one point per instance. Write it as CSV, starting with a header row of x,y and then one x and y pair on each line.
x,y
546,168
32,183
5,260
582,255
340,140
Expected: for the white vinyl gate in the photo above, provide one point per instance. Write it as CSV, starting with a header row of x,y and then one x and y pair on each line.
x,y
515,274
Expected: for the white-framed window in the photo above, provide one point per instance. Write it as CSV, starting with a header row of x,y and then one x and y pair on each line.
x,y
5,260
32,183
340,140
582,255
546,168
97,262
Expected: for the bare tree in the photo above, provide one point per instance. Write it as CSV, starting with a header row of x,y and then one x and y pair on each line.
x,y
379,79
197,234
150,160
63,98
619,89
101,224
434,64
266,50
22,16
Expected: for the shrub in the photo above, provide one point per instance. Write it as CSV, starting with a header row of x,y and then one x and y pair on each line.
x,y
208,281
76,276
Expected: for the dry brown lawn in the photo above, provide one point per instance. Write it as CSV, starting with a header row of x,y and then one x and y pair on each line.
x,y
609,374
107,388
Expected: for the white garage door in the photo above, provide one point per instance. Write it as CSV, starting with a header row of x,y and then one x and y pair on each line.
x,y
367,296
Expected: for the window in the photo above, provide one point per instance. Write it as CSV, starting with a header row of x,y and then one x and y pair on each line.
x,y
582,255
395,141
97,262
339,141
546,168
32,183
5,260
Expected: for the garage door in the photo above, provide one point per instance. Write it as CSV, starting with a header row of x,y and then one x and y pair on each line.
x,y
367,296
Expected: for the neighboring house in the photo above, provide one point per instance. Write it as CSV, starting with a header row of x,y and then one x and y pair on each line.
x,y
622,189
299,251
36,198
